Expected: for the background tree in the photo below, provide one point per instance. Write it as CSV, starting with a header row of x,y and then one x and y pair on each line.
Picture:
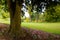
x,y
51,14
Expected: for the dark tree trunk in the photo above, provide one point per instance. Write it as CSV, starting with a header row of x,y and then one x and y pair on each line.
x,y
15,19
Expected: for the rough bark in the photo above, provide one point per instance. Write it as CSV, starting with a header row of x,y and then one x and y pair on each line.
x,y
15,19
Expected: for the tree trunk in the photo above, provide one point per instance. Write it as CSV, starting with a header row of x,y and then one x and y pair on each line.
x,y
15,19
37,16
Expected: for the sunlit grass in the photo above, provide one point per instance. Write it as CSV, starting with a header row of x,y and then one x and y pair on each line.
x,y
48,27
7,20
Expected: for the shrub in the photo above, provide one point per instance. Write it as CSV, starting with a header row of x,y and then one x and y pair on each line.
x,y
53,14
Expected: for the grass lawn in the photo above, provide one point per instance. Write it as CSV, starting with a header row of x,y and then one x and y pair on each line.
x,y
48,27
7,20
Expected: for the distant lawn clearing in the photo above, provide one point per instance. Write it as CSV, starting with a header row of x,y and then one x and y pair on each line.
x,y
48,27
7,20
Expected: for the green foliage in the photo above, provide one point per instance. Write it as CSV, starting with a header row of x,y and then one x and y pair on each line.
x,y
3,9
53,14
5,15
33,16
3,3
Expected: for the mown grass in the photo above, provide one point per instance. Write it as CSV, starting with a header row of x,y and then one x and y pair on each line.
x,y
48,27
7,20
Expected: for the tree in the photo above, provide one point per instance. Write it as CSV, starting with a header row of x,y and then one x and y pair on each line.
x,y
51,14
14,7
